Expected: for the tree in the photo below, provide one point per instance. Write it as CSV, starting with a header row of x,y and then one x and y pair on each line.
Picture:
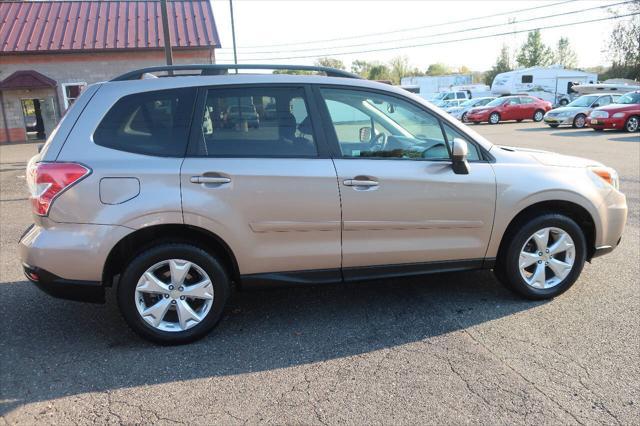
x,y
331,63
379,72
464,70
534,52
361,67
399,68
503,64
438,69
565,55
624,46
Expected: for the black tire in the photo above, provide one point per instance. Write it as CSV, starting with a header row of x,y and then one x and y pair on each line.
x,y
132,273
632,124
564,102
579,121
494,121
538,115
464,118
507,267
553,126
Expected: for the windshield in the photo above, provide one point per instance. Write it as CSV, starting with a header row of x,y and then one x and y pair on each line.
x,y
470,102
439,96
630,98
583,101
497,102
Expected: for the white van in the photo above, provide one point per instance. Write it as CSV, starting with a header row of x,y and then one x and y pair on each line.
x,y
553,84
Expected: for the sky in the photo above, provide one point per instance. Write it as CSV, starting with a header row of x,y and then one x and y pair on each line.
x,y
297,32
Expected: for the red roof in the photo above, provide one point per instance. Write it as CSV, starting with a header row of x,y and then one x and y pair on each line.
x,y
67,26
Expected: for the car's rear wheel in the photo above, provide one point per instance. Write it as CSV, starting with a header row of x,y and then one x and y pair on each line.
x,y
543,258
632,124
579,121
494,118
173,293
538,115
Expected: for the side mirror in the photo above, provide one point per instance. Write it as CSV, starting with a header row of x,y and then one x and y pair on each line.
x,y
459,153
365,134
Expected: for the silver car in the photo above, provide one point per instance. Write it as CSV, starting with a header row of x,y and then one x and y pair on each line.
x,y
575,113
460,112
144,190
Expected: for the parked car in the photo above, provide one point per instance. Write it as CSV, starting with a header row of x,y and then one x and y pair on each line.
x,y
241,113
623,115
139,189
575,114
460,112
453,103
510,108
441,98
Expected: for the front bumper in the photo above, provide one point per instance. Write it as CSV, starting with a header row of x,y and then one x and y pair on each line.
x,y
53,285
478,117
559,120
605,123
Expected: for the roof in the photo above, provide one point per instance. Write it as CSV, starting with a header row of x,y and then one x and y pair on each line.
x,y
72,26
27,80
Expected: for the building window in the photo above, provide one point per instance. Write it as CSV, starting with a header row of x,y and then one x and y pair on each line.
x,y
71,92
527,79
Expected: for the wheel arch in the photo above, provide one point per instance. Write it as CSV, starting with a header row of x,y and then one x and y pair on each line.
x,y
141,239
574,211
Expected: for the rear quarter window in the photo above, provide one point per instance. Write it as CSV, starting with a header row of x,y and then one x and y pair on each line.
x,y
151,123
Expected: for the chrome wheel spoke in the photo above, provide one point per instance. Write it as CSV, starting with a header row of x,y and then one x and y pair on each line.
x,y
560,269
538,278
561,245
542,239
155,313
149,283
201,290
186,314
179,271
527,259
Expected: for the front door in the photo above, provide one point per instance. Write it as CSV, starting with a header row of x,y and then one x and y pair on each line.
x,y
257,176
401,201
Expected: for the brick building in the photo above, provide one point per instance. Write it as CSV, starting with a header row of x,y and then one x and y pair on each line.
x,y
50,51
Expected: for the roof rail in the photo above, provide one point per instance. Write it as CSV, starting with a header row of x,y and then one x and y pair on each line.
x,y
219,69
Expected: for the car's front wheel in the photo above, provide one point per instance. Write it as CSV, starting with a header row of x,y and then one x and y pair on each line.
x,y
579,121
632,124
173,293
464,118
494,118
543,258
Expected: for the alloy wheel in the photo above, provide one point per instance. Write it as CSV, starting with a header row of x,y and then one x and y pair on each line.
x,y
494,118
547,258
538,116
174,295
632,124
464,118
580,121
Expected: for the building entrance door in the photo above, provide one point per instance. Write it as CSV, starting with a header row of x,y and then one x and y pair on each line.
x,y
39,117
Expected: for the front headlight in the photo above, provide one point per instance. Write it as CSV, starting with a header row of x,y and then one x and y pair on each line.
x,y
618,115
607,174
599,114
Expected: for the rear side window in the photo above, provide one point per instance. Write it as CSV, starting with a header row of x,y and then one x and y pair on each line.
x,y
151,123
526,100
256,122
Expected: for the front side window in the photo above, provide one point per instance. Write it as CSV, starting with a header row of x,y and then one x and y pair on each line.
x,y
371,125
151,123
604,100
527,79
256,122
630,98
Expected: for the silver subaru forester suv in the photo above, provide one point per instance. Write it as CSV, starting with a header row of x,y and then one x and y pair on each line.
x,y
174,190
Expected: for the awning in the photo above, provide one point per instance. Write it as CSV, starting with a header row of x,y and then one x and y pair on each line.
x,y
28,79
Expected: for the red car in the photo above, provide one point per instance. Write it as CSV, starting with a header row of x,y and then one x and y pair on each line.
x,y
510,108
625,114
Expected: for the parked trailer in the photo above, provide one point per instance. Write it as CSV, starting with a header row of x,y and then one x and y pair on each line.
x,y
553,84
429,86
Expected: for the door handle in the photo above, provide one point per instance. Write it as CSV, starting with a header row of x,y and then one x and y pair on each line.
x,y
209,179
357,182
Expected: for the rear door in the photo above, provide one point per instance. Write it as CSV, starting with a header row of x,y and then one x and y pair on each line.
x,y
264,184
401,201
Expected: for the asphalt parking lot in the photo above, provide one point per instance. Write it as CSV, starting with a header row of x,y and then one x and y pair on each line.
x,y
447,349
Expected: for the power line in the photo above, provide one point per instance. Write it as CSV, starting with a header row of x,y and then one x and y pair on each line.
x,y
444,33
407,29
451,41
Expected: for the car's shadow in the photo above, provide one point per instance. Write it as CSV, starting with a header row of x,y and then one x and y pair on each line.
x,y
52,348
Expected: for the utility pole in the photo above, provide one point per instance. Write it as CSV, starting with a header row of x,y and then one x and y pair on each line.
x,y
233,35
167,35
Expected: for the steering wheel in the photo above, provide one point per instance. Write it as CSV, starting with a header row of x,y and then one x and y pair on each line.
x,y
379,142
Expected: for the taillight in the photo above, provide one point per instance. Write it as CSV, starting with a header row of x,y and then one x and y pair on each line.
x,y
48,180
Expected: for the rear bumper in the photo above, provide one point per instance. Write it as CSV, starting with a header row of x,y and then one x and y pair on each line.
x,y
53,285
